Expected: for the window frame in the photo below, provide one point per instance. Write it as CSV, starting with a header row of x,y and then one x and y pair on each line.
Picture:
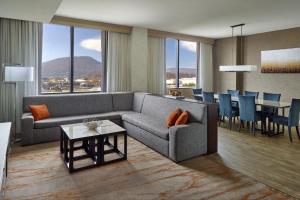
x,y
178,62
103,56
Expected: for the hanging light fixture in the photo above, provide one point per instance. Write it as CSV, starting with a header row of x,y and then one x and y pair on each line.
x,y
237,68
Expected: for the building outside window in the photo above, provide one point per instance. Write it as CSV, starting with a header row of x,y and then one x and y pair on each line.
x,y
71,59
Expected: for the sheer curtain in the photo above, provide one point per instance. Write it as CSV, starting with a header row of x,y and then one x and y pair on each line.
x,y
156,65
19,44
118,62
205,76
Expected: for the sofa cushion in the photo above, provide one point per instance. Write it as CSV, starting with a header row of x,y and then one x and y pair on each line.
x,y
72,104
57,121
122,101
148,123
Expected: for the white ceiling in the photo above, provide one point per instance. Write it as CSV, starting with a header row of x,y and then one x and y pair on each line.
x,y
32,10
209,18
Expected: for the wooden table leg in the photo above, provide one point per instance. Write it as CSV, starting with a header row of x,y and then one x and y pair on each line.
x,y
115,142
65,140
100,150
125,145
71,167
61,141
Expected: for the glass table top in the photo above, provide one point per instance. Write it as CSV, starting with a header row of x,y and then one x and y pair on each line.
x,y
79,130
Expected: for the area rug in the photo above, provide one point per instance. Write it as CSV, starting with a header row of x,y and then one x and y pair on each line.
x,y
38,172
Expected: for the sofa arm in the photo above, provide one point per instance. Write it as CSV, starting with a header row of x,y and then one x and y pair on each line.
x,y
187,141
27,123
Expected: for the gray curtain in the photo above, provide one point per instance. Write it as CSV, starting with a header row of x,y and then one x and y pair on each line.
x,y
118,62
20,43
156,65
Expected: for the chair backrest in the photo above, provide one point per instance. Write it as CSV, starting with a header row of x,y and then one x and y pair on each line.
x,y
249,93
294,113
247,108
234,93
208,97
197,91
225,105
271,97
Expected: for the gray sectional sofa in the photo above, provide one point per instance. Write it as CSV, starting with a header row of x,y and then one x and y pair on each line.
x,y
143,115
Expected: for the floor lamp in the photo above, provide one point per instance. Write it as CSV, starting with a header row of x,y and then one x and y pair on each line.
x,y
12,75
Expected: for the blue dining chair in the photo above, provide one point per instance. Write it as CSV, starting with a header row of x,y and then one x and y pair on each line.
x,y
247,111
234,93
292,120
226,109
255,94
268,112
197,91
208,97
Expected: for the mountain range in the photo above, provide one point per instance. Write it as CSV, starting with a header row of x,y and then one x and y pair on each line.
x,y
86,66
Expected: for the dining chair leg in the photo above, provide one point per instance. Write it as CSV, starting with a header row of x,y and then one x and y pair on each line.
x,y
253,128
234,120
230,122
241,121
278,128
297,129
248,124
290,133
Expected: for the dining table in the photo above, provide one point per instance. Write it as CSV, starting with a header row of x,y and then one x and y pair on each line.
x,y
262,103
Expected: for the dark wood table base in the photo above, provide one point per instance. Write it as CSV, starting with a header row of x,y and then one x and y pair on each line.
x,y
93,148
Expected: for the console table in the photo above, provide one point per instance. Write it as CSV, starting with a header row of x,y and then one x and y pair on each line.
x,y
5,129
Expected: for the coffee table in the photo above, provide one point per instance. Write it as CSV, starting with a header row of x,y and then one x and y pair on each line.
x,y
93,143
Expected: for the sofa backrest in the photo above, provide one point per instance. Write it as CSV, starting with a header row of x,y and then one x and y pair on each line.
x,y
122,101
138,100
160,107
71,104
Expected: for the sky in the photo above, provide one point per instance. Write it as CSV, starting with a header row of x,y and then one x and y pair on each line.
x,y
56,42
87,42
187,54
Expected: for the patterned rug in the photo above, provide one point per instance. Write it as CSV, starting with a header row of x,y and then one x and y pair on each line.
x,y
38,172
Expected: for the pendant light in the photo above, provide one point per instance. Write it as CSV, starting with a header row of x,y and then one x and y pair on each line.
x,y
237,68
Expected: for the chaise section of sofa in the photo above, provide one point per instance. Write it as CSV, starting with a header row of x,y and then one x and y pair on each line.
x,y
179,142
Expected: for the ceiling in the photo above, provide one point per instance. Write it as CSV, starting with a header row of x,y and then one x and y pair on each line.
x,y
31,10
208,18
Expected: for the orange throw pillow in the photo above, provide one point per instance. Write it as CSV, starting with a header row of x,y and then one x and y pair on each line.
x,y
39,112
182,119
173,116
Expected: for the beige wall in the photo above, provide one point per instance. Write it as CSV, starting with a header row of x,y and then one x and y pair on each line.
x,y
222,55
286,84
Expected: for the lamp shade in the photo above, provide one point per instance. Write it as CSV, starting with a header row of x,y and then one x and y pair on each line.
x,y
237,68
17,74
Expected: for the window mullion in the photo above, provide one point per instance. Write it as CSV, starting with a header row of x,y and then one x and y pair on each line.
x,y
72,59
177,65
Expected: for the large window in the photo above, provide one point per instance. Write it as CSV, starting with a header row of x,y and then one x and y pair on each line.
x,y
181,63
71,59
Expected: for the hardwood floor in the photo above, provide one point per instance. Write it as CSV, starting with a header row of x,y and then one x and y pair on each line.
x,y
246,167
273,161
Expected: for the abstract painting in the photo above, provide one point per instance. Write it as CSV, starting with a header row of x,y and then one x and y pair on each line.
x,y
280,61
